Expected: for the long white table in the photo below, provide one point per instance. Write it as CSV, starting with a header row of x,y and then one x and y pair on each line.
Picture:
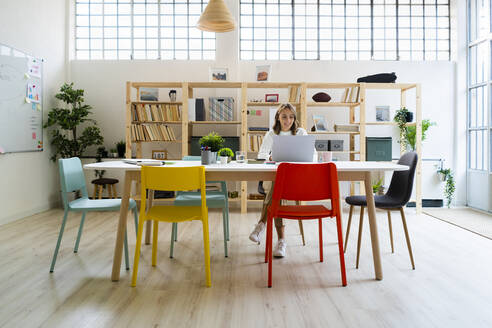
x,y
347,171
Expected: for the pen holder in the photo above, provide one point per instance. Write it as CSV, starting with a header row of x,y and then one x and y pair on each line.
x,y
209,157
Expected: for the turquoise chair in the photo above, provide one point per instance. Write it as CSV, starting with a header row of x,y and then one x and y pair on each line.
x,y
72,179
215,199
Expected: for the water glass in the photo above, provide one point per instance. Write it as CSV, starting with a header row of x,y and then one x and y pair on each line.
x,y
240,156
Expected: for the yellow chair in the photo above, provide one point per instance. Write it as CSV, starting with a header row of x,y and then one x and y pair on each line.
x,y
179,179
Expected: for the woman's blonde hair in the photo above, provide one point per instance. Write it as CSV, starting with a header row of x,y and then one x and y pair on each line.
x,y
277,127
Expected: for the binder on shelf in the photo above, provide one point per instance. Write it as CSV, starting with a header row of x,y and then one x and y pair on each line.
x,y
221,109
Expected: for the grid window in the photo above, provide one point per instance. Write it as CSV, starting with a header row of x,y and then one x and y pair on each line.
x,y
141,29
345,29
479,85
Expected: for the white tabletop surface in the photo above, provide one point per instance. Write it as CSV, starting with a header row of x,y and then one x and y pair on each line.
x,y
237,167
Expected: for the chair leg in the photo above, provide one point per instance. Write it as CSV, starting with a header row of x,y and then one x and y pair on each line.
x,y
301,228
135,218
270,249
60,235
137,252
100,191
407,237
127,260
320,230
224,227
110,191
174,230
361,222
227,221
79,234
340,249
94,194
154,242
391,231
115,194
348,227
206,250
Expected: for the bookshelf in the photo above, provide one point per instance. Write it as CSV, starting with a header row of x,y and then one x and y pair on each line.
x,y
296,94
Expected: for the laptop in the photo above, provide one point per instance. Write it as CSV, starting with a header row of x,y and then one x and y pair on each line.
x,y
293,148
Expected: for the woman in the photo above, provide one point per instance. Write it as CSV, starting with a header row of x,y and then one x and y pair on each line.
x,y
286,123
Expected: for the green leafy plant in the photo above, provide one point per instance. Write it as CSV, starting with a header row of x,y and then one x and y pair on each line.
x,y
226,152
65,139
121,148
411,132
378,187
449,187
101,152
401,119
212,141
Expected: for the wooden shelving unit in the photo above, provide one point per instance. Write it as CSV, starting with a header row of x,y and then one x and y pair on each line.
x,y
298,99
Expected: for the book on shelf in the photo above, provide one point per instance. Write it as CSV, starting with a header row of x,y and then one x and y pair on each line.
x,y
350,95
346,127
258,128
152,132
255,142
293,93
156,112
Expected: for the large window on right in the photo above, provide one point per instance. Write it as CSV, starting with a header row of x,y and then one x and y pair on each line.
x,y
479,85
345,29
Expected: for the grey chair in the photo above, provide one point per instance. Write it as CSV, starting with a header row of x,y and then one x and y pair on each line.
x,y
395,199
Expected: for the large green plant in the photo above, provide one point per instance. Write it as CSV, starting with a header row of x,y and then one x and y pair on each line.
x,y
65,138
212,141
411,132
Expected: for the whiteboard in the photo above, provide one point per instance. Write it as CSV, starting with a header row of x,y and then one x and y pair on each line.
x,y
21,101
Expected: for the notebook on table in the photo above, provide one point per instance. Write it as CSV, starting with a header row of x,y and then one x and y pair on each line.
x,y
141,162
293,148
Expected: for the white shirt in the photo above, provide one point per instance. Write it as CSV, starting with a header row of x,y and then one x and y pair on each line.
x,y
267,144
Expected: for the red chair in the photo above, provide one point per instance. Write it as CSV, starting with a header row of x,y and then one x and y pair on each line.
x,y
305,182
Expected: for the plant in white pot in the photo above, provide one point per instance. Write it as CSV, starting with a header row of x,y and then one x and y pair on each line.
x,y
226,155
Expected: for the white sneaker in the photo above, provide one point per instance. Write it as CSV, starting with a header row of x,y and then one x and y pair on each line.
x,y
255,236
280,249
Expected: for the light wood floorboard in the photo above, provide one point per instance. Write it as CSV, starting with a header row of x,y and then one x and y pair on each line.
x,y
451,286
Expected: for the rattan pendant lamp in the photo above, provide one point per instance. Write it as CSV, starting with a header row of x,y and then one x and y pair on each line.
x,y
216,18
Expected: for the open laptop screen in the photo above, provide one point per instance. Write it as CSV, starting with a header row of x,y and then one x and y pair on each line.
x,y
293,148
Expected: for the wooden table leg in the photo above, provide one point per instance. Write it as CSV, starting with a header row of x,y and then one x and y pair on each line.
x,y
120,235
371,212
148,227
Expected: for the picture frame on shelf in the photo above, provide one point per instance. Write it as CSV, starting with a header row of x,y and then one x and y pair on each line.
x,y
218,74
159,154
382,113
149,94
319,122
263,73
271,97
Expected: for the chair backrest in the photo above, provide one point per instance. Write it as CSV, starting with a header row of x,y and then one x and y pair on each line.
x,y
192,158
173,178
401,184
71,177
307,182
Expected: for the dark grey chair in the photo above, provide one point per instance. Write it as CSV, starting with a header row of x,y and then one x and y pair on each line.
x,y
395,199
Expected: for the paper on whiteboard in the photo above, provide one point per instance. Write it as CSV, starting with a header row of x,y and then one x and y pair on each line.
x,y
34,67
33,92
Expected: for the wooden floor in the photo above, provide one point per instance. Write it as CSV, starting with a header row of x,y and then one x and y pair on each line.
x,y
451,286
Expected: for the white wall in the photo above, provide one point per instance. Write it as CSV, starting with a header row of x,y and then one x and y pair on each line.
x,y
29,181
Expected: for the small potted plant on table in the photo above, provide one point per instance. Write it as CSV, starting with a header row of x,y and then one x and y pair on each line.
x,y
210,144
225,155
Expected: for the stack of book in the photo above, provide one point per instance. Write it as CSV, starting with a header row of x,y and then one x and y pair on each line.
x,y
152,132
156,112
346,128
255,141
350,95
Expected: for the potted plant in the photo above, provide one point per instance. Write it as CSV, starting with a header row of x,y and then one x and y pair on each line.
x,y
378,188
113,152
450,187
411,132
65,139
210,144
401,119
121,148
101,152
226,155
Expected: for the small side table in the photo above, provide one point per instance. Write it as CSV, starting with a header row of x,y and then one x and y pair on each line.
x,y
99,185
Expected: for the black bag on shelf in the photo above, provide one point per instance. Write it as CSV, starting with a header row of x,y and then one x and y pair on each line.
x,y
379,78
